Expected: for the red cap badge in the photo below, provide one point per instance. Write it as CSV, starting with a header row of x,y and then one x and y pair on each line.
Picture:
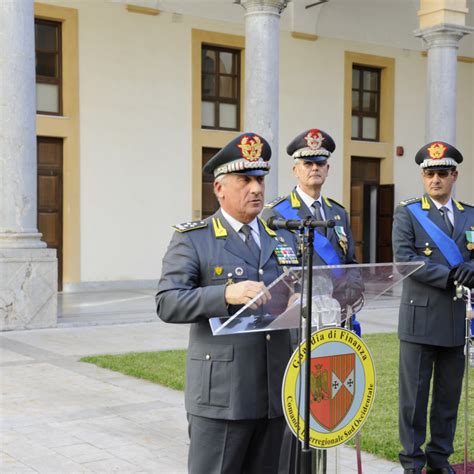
x,y
314,139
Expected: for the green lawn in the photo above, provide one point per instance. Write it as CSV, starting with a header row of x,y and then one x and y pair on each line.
x,y
378,436
165,368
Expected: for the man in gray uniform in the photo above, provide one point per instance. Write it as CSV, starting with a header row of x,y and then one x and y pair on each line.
x,y
311,151
212,268
436,229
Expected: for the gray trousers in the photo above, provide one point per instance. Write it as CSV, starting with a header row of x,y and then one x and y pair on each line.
x,y
418,364
234,446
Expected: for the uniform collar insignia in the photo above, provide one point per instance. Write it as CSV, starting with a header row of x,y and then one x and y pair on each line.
x,y
458,205
219,230
295,202
425,203
327,201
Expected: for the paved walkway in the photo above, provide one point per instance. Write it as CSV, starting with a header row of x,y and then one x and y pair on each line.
x,y
59,415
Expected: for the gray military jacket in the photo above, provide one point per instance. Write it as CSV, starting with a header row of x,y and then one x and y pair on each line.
x,y
428,312
231,377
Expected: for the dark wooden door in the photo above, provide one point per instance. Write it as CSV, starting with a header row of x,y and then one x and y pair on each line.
x,y
357,219
385,205
50,195
365,174
209,203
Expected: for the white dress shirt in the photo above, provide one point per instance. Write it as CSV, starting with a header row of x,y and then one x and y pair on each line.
x,y
308,200
449,206
237,225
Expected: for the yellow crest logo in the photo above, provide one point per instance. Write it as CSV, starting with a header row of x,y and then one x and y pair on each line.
x,y
436,151
342,387
251,147
218,271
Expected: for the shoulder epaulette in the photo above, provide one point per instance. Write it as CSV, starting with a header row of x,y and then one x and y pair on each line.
x,y
275,202
192,225
464,203
329,200
409,201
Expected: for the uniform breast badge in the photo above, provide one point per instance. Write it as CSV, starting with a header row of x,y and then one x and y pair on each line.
x,y
427,251
342,238
470,239
218,271
285,255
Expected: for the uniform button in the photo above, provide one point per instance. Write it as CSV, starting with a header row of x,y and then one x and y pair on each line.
x,y
411,301
455,298
208,356
268,337
260,272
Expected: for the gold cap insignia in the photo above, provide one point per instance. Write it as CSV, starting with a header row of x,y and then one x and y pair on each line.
x,y
427,251
436,151
251,147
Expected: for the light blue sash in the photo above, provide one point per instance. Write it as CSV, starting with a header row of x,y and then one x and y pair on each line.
x,y
322,246
447,246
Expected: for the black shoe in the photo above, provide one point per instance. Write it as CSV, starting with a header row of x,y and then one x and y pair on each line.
x,y
441,470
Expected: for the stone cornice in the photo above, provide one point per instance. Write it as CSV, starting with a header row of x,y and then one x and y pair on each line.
x,y
443,35
270,6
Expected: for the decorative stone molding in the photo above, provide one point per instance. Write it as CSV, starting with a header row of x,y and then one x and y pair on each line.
x,y
269,6
443,36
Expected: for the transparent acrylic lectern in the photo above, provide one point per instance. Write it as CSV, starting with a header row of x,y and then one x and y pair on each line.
x,y
370,290
363,288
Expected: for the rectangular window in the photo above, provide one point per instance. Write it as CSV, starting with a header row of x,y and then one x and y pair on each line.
x,y
48,67
365,103
220,91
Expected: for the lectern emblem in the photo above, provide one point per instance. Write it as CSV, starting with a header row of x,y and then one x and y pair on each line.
x,y
342,387
332,388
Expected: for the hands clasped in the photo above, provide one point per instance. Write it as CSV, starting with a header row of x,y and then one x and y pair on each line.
x,y
245,291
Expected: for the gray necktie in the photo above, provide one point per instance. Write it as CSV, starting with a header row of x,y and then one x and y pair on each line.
x,y
444,212
250,242
318,216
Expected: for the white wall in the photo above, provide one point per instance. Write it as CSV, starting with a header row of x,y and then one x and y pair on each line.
x,y
136,136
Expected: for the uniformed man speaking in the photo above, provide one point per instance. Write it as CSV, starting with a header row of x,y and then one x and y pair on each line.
x,y
438,230
212,268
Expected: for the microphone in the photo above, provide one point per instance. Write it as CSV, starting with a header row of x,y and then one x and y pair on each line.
x,y
276,223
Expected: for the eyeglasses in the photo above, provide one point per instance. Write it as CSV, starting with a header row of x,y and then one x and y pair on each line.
x,y
440,173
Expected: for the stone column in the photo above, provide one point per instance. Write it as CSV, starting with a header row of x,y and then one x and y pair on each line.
x,y
442,25
262,47
28,271
442,44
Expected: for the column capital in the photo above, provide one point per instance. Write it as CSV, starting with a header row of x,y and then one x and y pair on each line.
x,y
269,6
443,35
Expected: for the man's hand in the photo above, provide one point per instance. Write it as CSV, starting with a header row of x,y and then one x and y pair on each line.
x,y
463,274
244,291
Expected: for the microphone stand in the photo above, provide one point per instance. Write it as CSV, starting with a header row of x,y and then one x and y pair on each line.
x,y
306,453
306,229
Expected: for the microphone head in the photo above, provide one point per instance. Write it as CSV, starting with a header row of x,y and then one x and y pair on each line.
x,y
331,223
271,223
